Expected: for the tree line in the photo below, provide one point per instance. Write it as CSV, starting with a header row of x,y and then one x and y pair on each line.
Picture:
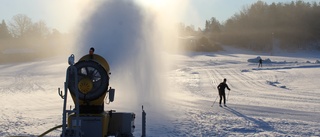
x,y
22,33
294,25
291,26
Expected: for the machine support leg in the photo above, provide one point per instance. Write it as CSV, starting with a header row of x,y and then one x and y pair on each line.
x,y
143,123
64,114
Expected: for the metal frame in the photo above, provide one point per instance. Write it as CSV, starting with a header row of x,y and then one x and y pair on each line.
x,y
71,69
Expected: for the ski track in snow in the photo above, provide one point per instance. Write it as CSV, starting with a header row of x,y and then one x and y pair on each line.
x,y
269,101
255,107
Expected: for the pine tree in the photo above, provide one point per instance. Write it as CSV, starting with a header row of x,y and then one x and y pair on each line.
x,y
4,32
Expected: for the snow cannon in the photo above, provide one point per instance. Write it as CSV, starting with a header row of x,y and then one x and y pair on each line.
x,y
88,83
93,74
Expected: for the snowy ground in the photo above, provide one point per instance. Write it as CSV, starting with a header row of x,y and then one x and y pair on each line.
x,y
280,99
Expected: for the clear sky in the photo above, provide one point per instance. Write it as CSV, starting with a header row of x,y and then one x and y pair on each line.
x,y
62,14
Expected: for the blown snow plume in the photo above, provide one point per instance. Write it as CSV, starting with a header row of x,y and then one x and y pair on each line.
x,y
127,36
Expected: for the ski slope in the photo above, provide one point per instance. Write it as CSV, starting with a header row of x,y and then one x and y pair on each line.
x,y
279,99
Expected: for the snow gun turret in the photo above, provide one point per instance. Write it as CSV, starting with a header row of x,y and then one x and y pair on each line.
x,y
92,84
88,83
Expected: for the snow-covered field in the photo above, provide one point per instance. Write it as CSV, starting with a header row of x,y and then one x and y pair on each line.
x,y
279,99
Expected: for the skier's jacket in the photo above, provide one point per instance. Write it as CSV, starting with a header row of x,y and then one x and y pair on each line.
x,y
221,87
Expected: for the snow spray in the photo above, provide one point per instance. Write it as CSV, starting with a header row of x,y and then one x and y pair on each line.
x,y
132,40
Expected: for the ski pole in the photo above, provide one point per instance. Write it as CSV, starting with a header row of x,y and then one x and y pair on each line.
x,y
228,95
214,101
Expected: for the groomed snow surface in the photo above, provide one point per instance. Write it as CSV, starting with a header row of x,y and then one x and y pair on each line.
x,y
279,99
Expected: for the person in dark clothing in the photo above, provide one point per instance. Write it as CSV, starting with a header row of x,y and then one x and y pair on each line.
x,y
91,52
260,63
221,87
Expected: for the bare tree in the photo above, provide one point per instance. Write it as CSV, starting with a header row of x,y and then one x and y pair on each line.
x,y
39,30
20,25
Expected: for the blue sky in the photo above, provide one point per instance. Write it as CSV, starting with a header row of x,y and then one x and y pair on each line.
x,y
61,14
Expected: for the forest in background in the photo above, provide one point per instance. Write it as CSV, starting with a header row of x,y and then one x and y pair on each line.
x,y
22,40
290,26
260,26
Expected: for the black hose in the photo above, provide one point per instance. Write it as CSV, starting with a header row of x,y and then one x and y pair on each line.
x,y
48,131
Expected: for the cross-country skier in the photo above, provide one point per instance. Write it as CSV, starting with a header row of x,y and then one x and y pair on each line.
x,y
260,63
221,87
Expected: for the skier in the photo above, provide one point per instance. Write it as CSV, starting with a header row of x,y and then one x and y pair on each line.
x,y
221,87
260,63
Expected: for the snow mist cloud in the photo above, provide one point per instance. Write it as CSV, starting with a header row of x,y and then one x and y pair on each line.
x,y
133,38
